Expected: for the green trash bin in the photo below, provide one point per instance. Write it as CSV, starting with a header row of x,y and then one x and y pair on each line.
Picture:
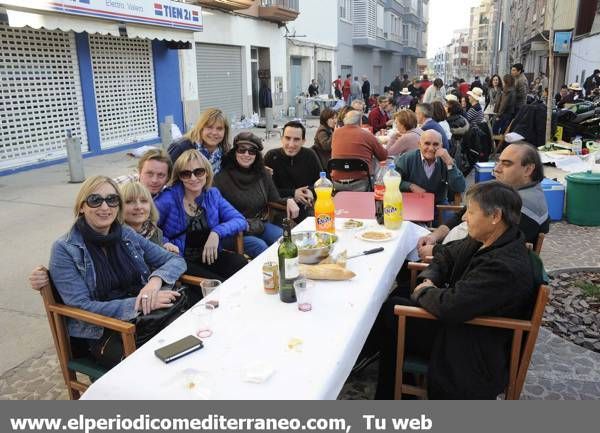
x,y
583,198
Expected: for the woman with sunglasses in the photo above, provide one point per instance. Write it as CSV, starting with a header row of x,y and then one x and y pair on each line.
x,y
210,136
245,183
195,217
104,267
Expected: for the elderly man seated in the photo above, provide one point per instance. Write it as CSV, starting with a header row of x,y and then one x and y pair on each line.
x,y
430,169
519,166
489,273
353,142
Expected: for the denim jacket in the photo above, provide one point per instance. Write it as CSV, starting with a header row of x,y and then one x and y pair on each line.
x,y
72,272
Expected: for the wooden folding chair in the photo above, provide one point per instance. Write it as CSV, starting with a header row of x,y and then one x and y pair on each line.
x,y
70,365
523,342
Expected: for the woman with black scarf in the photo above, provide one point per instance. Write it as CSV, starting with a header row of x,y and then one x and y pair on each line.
x,y
245,183
105,267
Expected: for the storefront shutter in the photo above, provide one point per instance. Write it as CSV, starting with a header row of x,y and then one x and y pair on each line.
x,y
219,69
40,95
124,87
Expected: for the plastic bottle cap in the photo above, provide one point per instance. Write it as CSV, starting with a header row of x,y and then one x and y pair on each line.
x,y
323,174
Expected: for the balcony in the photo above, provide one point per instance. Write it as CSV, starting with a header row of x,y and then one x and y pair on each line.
x,y
279,11
230,5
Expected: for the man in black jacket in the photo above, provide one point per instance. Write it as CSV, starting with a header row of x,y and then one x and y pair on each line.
x,y
488,273
295,168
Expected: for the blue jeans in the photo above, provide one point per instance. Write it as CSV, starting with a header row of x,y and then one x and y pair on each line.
x,y
256,244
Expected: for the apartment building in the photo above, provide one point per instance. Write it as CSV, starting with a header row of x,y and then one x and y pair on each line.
x,y
529,27
381,38
482,37
585,53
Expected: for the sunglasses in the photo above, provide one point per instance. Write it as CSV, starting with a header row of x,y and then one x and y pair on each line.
x,y
250,150
96,200
187,174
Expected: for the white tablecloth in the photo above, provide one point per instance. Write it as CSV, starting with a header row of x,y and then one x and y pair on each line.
x,y
253,328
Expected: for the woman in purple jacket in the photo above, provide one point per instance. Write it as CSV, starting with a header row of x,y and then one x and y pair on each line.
x,y
195,217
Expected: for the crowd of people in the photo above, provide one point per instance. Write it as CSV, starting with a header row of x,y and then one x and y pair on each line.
x,y
134,236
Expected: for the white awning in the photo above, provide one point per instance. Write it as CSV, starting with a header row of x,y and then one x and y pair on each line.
x,y
62,22
160,33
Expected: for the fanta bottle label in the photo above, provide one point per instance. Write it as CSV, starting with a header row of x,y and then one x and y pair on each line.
x,y
324,222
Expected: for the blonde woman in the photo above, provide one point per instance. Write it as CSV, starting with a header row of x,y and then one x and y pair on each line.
x,y
210,136
140,213
196,218
105,267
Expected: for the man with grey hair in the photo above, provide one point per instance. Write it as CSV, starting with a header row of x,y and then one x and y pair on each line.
x,y
430,169
351,141
520,167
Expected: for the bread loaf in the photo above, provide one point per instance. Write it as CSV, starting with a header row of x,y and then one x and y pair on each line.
x,y
327,271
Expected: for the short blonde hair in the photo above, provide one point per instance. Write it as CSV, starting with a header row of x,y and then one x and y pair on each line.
x,y
209,118
88,187
135,190
187,157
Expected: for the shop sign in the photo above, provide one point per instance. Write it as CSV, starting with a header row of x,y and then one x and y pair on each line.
x,y
164,13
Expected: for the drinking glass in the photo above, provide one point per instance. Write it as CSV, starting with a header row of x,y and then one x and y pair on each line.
x,y
209,286
304,291
203,319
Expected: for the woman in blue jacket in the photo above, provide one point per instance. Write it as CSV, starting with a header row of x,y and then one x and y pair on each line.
x,y
107,268
195,217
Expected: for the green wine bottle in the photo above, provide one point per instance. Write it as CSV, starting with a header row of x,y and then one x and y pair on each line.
x,y
289,269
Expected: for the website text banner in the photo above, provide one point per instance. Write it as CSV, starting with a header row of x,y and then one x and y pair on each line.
x,y
164,13
281,416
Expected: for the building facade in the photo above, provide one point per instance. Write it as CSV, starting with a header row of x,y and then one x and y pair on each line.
x,y
585,53
110,74
109,82
482,37
381,39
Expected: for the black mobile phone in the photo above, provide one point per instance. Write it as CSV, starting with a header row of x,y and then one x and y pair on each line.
x,y
179,348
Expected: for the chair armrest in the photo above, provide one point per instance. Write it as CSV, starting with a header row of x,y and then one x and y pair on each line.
x,y
457,198
93,318
191,279
239,243
417,266
489,321
275,205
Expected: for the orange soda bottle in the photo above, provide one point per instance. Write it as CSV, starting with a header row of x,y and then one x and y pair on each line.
x,y
324,207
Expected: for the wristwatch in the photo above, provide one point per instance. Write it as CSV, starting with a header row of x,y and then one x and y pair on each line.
x,y
450,166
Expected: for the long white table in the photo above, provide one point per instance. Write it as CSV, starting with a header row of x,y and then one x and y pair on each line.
x,y
252,328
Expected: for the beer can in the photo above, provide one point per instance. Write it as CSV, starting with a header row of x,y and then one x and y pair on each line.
x,y
270,272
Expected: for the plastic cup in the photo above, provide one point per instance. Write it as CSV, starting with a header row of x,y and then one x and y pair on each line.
x,y
304,288
209,286
203,319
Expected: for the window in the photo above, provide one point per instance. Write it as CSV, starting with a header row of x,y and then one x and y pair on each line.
x,y
380,15
345,9
405,32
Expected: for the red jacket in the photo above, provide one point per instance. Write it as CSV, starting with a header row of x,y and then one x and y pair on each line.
x,y
464,88
346,89
378,119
